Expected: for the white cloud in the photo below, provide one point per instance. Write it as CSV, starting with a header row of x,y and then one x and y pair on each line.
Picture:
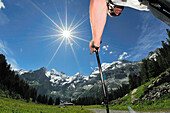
x,y
92,68
4,48
13,63
3,18
122,55
105,47
111,52
127,56
152,33
2,4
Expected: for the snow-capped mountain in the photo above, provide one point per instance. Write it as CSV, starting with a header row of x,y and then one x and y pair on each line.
x,y
55,76
115,74
60,78
56,83
21,71
113,65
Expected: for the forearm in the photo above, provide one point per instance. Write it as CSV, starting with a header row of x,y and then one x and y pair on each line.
x,y
98,15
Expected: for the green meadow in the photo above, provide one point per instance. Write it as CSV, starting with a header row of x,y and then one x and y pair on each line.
x,y
8,105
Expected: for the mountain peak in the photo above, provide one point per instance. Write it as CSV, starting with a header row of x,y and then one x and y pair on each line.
x,y
53,71
43,68
125,61
77,74
21,71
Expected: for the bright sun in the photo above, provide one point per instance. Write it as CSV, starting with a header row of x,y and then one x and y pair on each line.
x,y
66,33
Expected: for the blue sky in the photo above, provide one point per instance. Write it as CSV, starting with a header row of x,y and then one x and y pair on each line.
x,y
23,31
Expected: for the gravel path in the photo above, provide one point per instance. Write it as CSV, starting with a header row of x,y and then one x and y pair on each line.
x,y
119,111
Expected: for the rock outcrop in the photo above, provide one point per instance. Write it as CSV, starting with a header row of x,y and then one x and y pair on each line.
x,y
157,92
158,88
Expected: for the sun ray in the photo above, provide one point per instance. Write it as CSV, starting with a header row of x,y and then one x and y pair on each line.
x,y
71,23
55,35
66,15
55,41
66,46
60,20
78,32
75,42
74,55
78,25
80,38
56,30
48,37
78,22
55,52
47,16
66,32
59,16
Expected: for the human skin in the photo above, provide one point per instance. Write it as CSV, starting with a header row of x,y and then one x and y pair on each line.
x,y
98,15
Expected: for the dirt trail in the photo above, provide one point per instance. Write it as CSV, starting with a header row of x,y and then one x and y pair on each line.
x,y
119,111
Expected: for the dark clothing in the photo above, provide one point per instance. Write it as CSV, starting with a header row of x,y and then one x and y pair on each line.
x,y
159,8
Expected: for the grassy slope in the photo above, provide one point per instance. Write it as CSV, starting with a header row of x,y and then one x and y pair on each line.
x,y
8,105
162,104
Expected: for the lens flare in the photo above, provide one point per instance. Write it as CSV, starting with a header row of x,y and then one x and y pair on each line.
x,y
63,33
66,34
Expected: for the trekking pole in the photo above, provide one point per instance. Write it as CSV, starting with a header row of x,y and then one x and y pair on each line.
x,y
102,80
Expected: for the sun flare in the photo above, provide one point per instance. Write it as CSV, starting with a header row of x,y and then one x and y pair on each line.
x,y
66,34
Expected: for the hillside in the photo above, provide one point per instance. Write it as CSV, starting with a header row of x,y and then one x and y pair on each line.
x,y
154,94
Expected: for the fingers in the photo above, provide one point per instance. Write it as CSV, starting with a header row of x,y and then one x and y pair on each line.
x,y
90,46
93,48
93,51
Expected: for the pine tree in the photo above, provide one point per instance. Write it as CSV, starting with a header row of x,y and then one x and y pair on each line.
x,y
57,101
33,94
43,99
51,101
46,99
144,71
159,61
168,32
168,47
153,68
39,98
11,82
130,82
